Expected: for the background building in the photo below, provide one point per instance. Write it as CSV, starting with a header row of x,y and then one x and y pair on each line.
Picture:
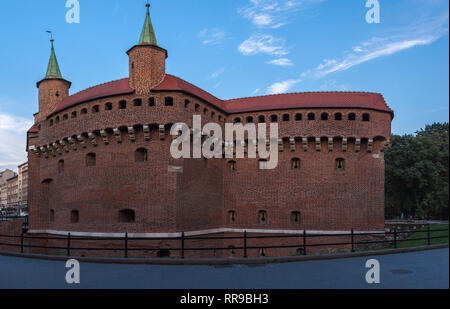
x,y
12,189
23,185
4,176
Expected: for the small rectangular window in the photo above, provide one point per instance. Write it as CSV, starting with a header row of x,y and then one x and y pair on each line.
x,y
169,101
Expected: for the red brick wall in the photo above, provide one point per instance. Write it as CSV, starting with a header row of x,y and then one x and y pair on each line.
x,y
10,228
201,196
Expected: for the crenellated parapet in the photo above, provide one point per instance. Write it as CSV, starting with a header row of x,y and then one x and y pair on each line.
x,y
130,135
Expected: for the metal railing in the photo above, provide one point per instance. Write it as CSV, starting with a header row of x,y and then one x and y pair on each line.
x,y
303,241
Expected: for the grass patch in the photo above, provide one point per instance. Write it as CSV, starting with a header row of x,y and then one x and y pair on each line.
x,y
435,229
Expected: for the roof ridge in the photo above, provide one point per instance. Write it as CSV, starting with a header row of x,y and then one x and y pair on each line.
x,y
185,81
305,92
95,86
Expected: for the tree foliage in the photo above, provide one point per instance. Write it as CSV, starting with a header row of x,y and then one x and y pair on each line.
x,y
417,173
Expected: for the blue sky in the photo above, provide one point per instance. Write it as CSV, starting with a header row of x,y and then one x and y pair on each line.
x,y
233,48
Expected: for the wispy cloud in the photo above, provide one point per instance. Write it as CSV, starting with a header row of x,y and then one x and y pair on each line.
x,y
13,140
282,62
281,87
332,85
263,43
216,74
256,91
419,34
273,14
212,36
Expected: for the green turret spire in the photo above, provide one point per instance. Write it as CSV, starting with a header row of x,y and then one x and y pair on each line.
x,y
53,71
148,34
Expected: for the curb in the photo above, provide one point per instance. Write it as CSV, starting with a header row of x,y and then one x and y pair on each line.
x,y
236,261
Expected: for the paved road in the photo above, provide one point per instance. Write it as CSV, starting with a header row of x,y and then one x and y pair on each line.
x,y
426,269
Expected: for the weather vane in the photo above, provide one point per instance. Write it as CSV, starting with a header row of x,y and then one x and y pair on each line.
x,y
51,34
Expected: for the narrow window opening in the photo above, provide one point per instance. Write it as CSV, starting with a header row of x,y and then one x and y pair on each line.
x,y
232,165
84,111
163,254
261,119
232,250
127,216
295,164
74,115
151,102
52,215
249,119
295,217
168,101
61,166
232,216
74,216
286,117
262,252
366,117
262,217
324,116
340,164
91,159
141,155
122,104
138,102
338,116
108,106
352,116
95,109
298,117
274,118
311,116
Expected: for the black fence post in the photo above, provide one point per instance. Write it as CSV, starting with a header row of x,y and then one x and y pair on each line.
x,y
304,242
68,244
428,235
182,245
126,245
353,240
245,244
21,243
395,237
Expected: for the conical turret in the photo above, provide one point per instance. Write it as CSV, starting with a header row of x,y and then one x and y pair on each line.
x,y
147,60
53,88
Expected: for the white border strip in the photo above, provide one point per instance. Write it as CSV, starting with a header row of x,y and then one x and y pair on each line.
x,y
195,233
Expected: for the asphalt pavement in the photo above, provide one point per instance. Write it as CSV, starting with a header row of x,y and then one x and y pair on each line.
x,y
416,270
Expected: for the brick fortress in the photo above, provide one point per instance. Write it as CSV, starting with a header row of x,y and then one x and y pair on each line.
x,y
100,165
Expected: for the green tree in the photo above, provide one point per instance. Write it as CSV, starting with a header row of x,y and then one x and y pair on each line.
x,y
417,173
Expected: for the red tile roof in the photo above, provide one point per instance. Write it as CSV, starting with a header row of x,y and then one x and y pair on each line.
x,y
33,129
308,100
117,87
